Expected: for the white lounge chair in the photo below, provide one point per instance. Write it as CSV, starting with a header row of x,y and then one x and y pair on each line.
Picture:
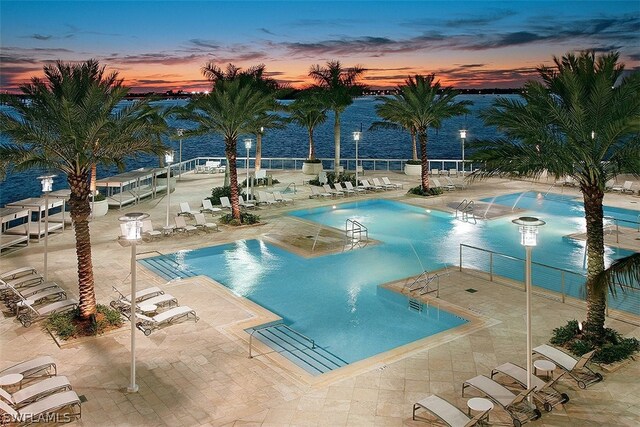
x,y
437,184
169,317
346,191
623,188
162,300
453,172
577,369
450,183
377,183
37,299
18,272
48,408
142,294
32,290
446,412
263,198
21,282
37,391
435,171
389,184
316,192
208,207
185,209
365,184
245,204
332,191
544,392
33,313
516,405
147,229
181,225
279,197
349,186
225,203
202,223
32,368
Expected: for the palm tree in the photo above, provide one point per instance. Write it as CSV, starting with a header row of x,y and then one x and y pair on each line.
x,y
307,111
339,86
394,117
230,110
422,103
72,122
264,122
580,120
624,272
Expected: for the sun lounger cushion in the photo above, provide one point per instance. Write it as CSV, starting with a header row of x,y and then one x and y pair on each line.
x,y
29,368
443,410
31,393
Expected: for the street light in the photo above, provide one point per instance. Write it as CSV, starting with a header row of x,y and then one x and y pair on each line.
x,y
168,158
47,186
463,136
247,145
356,138
132,227
528,227
180,133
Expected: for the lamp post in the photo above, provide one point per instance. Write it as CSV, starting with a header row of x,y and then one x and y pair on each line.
x,y
356,138
47,186
168,158
528,227
180,133
132,227
247,145
463,136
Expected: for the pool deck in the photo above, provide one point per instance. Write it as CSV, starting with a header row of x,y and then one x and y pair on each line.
x,y
194,374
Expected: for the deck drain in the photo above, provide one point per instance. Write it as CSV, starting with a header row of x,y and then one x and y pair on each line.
x,y
471,290
82,398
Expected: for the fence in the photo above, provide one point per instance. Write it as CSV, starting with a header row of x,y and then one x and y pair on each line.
x,y
564,285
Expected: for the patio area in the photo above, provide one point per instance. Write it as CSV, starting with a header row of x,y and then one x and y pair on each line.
x,y
200,374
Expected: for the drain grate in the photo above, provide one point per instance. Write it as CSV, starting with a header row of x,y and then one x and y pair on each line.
x,y
82,398
471,290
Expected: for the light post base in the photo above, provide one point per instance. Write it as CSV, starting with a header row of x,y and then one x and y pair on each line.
x,y
133,389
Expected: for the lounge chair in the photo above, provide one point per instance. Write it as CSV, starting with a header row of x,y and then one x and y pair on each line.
x,y
389,184
33,313
169,317
456,185
516,405
47,295
623,188
208,207
377,183
48,408
453,172
211,166
279,197
544,392
163,300
33,368
435,171
349,186
147,229
225,203
339,187
245,204
577,369
437,184
367,186
448,413
18,272
185,209
332,191
264,198
316,192
32,290
142,294
36,391
21,282
202,223
181,225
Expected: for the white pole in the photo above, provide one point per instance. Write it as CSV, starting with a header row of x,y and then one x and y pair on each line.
x,y
46,233
133,387
168,191
247,186
180,160
462,156
528,289
357,139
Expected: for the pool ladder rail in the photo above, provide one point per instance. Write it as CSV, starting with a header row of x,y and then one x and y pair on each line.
x,y
466,208
426,284
355,235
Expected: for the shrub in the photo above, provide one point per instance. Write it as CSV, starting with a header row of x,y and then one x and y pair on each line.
x,y
246,218
218,192
332,178
98,197
564,334
413,162
254,182
68,324
419,191
610,353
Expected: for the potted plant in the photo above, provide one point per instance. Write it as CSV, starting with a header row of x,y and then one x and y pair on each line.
x,y
99,205
413,167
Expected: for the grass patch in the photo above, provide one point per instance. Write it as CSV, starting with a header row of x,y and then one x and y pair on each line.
x,y
246,218
419,191
69,325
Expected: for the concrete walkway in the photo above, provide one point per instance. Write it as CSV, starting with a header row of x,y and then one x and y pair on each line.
x,y
200,374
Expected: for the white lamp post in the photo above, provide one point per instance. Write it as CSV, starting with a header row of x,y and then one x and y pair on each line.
x,y
463,136
168,158
180,133
47,186
528,227
132,230
247,145
356,138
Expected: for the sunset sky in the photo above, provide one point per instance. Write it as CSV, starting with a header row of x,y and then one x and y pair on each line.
x,y
162,45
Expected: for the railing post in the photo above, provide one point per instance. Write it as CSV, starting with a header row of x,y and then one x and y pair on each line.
x,y
562,284
460,257
617,232
491,266
250,343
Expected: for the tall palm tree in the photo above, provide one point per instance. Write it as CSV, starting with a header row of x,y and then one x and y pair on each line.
x,y
422,103
339,86
72,122
230,110
581,120
394,117
308,111
264,122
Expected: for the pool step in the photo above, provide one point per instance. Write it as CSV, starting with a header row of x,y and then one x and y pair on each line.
x,y
167,268
298,348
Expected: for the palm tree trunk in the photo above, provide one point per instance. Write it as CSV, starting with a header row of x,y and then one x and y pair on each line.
x,y
93,179
414,145
312,148
231,154
425,162
258,151
80,211
596,298
336,140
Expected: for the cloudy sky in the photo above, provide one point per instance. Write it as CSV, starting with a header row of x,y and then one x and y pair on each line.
x,y
161,45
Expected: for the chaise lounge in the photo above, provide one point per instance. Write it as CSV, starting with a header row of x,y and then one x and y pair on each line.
x,y
577,369
33,313
47,409
36,391
30,368
169,317
446,412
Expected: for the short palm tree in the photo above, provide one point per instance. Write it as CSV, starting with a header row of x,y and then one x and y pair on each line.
x,y
339,85
230,110
308,111
72,122
580,120
422,103
264,122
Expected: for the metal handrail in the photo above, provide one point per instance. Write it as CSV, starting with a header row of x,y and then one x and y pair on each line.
x,y
617,221
356,227
273,325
